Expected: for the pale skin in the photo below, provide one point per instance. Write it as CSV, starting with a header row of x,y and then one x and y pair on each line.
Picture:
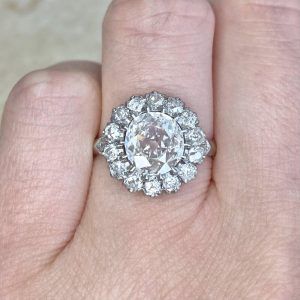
x,y
70,231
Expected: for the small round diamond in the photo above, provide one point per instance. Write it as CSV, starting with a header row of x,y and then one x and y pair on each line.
x,y
187,120
121,115
134,182
196,154
194,136
111,152
187,171
155,101
206,146
100,144
152,188
171,183
137,104
173,107
113,132
120,169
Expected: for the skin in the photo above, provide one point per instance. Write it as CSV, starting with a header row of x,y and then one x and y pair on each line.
x,y
70,231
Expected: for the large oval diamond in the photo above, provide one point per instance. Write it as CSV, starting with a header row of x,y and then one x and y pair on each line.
x,y
154,142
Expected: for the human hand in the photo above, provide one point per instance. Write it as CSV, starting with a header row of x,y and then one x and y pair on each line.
x,y
70,231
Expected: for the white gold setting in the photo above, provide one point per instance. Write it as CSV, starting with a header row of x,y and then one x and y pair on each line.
x,y
153,144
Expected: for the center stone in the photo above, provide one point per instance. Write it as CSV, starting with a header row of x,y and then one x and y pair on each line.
x,y
154,142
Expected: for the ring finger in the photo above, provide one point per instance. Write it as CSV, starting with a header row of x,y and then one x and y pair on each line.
x,y
153,45
164,46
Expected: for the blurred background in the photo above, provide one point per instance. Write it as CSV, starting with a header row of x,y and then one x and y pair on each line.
x,y
37,33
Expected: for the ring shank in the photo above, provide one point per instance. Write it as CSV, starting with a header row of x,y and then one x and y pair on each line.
x,y
213,149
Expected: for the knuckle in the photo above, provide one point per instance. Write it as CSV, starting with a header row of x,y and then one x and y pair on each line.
x,y
273,8
158,18
269,29
51,83
30,91
278,14
271,13
30,99
43,95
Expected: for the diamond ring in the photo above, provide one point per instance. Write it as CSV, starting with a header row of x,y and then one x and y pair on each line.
x,y
153,143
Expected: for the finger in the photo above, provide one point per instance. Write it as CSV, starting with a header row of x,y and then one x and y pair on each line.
x,y
257,98
152,45
49,125
164,46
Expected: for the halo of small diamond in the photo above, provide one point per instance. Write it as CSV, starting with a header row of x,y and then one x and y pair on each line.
x,y
186,171
137,104
175,170
174,107
121,116
171,183
187,119
153,187
113,132
155,101
112,152
134,182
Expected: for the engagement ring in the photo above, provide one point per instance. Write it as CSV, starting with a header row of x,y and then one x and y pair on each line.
x,y
153,143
